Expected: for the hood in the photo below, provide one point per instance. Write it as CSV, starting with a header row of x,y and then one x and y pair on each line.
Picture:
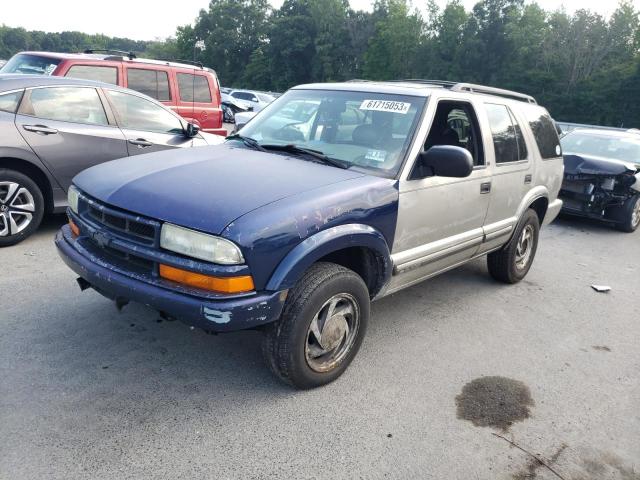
x,y
204,188
577,164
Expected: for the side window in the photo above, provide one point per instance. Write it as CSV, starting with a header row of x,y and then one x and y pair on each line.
x,y
456,124
138,113
154,83
67,104
94,72
194,88
245,96
9,101
544,131
508,141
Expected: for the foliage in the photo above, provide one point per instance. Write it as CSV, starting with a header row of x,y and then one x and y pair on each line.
x,y
582,66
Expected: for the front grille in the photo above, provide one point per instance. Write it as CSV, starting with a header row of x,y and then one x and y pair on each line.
x,y
122,223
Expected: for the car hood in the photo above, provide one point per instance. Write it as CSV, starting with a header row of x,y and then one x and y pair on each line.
x,y
578,164
204,188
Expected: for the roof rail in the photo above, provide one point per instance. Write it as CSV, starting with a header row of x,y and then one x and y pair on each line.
x,y
178,60
131,55
437,83
471,87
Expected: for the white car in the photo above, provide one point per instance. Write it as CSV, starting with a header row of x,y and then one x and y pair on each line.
x,y
257,100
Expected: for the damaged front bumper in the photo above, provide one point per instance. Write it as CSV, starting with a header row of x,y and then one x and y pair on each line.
x,y
211,314
597,188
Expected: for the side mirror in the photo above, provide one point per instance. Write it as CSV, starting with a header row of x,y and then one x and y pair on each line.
x,y
443,161
192,130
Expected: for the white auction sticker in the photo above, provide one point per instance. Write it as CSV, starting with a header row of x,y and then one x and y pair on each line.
x,y
385,106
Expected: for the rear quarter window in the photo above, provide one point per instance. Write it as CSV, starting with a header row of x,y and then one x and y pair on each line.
x,y
94,72
154,83
544,131
193,88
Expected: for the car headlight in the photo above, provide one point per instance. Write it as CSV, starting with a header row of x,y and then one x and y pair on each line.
x,y
72,198
199,245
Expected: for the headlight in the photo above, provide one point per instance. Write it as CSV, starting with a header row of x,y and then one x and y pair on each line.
x,y
72,198
199,245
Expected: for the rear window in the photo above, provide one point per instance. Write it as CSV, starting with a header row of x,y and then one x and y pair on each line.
x,y
544,131
9,101
194,88
154,83
30,64
94,72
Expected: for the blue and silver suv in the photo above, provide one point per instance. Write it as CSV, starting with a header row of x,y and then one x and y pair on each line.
x,y
333,196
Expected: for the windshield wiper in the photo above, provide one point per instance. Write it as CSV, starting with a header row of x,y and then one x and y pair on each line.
x,y
248,141
316,154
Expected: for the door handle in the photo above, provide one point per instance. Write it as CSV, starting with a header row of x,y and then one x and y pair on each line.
x,y
485,187
140,142
41,129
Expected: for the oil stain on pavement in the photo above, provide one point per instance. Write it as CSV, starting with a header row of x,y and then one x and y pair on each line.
x,y
494,402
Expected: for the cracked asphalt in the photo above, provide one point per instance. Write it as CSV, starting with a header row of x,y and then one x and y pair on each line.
x,y
89,393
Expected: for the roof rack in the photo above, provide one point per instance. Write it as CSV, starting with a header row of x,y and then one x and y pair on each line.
x,y
471,87
131,55
464,87
179,60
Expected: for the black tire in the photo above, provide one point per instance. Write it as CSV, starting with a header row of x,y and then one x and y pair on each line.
x,y
629,217
10,205
503,264
286,341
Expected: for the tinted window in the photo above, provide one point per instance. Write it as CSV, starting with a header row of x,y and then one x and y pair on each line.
x,y
522,146
31,64
194,88
505,135
138,113
94,72
9,101
544,131
154,83
68,104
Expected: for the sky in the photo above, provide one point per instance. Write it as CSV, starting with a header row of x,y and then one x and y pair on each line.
x,y
153,19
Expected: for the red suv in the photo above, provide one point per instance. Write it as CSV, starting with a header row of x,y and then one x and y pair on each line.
x,y
191,90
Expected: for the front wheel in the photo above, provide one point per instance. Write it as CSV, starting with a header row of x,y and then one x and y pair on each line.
x,y
321,329
21,207
630,215
512,262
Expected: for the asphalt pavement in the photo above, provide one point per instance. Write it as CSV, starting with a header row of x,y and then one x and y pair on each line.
x,y
459,377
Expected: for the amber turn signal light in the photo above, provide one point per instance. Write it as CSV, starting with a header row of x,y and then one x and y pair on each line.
x,y
207,282
74,228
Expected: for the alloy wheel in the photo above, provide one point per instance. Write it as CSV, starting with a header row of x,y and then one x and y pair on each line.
x,y
332,332
524,248
17,207
635,214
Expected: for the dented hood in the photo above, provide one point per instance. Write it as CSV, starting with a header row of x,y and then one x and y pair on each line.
x,y
577,164
204,188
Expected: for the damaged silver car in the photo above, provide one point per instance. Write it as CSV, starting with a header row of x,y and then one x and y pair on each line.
x,y
602,176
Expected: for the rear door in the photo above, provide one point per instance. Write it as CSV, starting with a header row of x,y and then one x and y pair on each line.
x,y
512,176
147,126
69,128
196,102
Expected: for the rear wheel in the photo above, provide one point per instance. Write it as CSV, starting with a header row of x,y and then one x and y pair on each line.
x,y
321,329
512,263
21,207
630,215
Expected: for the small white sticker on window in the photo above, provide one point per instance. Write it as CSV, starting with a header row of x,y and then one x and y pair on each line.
x,y
385,106
558,150
378,156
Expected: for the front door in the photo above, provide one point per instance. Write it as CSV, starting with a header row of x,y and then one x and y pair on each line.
x,y
147,126
68,128
440,219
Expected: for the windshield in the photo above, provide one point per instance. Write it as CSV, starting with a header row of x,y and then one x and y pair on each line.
x,y
620,148
31,64
360,129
